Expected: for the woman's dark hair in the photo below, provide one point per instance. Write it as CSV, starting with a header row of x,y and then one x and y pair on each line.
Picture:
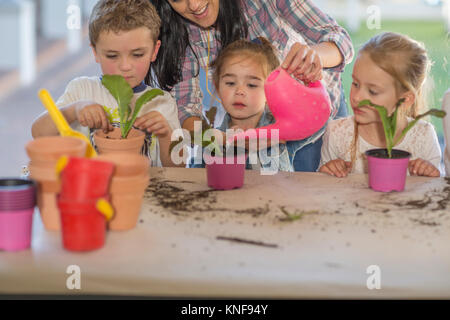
x,y
167,68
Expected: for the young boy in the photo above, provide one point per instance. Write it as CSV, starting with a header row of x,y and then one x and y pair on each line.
x,y
124,40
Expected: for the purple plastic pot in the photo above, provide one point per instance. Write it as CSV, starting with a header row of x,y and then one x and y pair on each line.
x,y
224,173
17,194
17,201
387,174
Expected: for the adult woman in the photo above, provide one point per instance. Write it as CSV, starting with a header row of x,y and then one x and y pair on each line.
x,y
311,46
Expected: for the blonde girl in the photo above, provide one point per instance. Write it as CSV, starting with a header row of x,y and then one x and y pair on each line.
x,y
389,67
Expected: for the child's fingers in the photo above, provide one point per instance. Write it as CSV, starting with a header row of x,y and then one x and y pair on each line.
x,y
430,171
422,165
412,167
88,119
338,168
416,167
325,169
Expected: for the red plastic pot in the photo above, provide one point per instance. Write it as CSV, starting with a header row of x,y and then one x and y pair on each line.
x,y
83,226
85,179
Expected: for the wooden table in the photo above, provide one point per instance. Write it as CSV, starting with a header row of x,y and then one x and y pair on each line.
x,y
290,235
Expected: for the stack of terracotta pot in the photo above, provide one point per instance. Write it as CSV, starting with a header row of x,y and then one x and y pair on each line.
x,y
44,153
129,181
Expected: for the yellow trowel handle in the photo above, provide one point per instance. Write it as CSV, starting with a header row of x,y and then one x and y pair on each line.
x,y
54,112
105,208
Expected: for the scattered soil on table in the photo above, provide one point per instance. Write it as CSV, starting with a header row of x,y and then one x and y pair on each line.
x,y
177,199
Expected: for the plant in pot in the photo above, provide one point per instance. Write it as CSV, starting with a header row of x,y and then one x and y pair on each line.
x,y
225,164
125,138
388,167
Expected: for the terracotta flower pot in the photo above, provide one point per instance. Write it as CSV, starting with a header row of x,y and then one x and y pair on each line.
x,y
113,142
52,148
126,199
387,174
127,164
44,153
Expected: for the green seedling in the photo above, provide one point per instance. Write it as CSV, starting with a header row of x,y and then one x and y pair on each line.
x,y
203,137
297,215
123,93
390,122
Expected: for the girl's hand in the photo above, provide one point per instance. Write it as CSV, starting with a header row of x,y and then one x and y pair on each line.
x,y
338,168
304,63
420,167
93,115
155,123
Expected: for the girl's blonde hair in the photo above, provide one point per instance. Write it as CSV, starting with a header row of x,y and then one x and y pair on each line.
x,y
406,60
259,50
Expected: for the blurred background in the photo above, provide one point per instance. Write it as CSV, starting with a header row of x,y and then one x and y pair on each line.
x,y
44,44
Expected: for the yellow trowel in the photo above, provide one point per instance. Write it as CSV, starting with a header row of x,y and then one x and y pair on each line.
x,y
61,123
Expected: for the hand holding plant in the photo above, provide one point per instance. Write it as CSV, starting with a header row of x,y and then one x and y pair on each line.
x,y
123,93
390,122
155,123
93,115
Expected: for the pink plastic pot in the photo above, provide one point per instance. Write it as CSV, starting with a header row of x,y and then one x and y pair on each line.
x,y
225,173
15,229
387,174
85,179
299,110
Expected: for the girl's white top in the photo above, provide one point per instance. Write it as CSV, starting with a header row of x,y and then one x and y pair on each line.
x,y
421,141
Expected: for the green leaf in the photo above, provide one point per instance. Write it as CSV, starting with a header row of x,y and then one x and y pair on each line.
x,y
122,92
390,123
143,99
387,127
431,112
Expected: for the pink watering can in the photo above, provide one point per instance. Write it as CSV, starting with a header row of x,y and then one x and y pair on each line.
x,y
299,110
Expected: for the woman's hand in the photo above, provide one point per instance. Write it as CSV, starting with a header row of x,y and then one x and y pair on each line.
x,y
304,63
420,167
338,168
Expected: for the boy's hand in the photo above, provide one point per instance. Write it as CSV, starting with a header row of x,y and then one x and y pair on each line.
x,y
420,167
93,116
338,168
304,63
155,123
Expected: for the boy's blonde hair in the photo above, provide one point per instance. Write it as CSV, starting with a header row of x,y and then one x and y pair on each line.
x,y
260,50
123,15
